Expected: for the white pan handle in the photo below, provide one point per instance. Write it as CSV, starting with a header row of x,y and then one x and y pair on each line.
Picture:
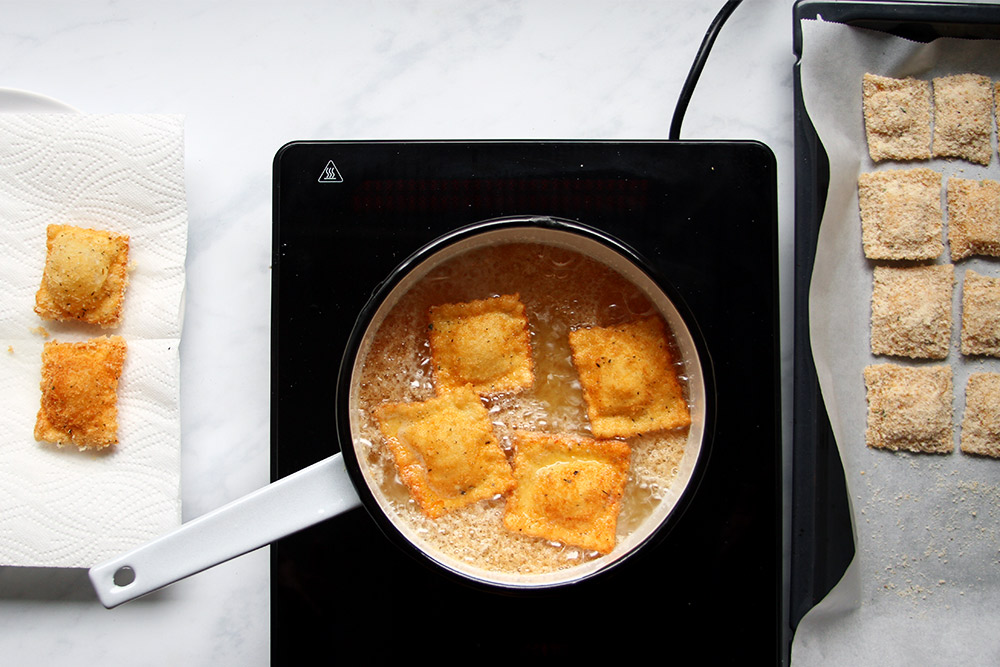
x,y
292,503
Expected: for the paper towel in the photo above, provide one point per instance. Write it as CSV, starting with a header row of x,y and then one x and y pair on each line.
x,y
62,507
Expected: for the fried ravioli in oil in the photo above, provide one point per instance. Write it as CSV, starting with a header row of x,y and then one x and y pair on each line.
x,y
485,343
569,489
628,378
445,450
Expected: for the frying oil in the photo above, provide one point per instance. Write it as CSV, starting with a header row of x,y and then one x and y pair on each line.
x,y
561,290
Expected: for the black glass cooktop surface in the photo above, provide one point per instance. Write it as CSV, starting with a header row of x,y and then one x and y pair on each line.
x,y
704,215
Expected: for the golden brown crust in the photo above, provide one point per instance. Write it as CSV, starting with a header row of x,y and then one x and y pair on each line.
x,y
484,343
909,408
973,217
980,315
897,117
901,216
569,489
963,117
981,421
80,392
628,378
911,311
445,450
86,272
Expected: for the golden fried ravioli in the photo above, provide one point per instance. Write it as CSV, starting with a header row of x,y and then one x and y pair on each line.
x,y
445,450
484,343
85,276
569,489
80,392
628,378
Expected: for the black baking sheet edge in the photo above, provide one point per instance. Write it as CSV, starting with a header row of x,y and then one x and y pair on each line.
x,y
821,537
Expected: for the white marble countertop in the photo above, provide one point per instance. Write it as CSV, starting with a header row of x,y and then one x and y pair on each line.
x,y
250,76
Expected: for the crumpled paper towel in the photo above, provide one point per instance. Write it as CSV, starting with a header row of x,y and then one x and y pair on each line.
x,y
62,507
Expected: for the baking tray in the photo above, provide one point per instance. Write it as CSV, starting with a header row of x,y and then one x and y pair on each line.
x,y
822,543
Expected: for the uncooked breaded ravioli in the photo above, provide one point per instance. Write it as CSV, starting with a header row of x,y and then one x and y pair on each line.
x,y
980,315
901,215
485,343
569,489
86,272
973,217
897,117
981,421
911,310
628,378
909,408
963,117
80,392
996,109
445,450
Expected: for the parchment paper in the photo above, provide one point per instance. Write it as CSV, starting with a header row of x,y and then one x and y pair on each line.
x,y
924,587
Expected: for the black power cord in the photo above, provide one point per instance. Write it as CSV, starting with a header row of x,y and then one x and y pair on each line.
x,y
698,65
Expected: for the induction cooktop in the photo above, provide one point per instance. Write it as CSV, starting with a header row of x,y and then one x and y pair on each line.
x,y
704,215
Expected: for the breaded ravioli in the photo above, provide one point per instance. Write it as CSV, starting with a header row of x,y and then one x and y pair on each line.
x,y
911,310
973,217
901,214
963,117
996,108
445,450
484,343
628,378
897,115
981,421
569,489
909,408
86,272
980,315
80,392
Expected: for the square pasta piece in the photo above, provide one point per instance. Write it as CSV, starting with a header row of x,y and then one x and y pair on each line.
x,y
963,117
897,117
911,311
973,217
484,343
980,315
569,489
909,408
629,380
996,108
86,272
901,215
445,450
80,392
981,422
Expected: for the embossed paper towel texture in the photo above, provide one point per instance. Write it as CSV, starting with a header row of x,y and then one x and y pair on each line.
x,y
61,507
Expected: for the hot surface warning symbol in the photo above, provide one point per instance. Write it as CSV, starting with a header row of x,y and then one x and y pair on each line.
x,y
331,174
